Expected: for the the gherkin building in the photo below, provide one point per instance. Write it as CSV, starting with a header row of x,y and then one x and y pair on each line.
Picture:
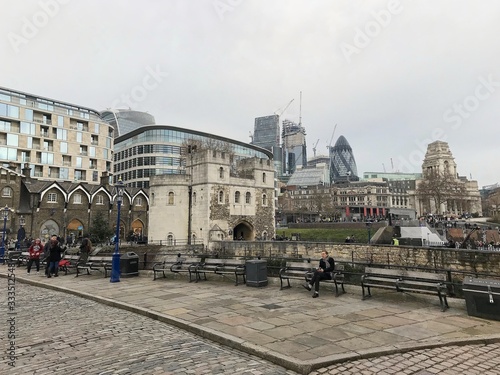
x,y
342,163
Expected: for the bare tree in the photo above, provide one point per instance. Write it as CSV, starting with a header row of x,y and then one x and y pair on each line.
x,y
439,187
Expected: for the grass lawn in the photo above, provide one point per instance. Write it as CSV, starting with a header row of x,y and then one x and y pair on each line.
x,y
327,235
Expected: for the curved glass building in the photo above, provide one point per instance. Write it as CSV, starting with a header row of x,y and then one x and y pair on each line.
x,y
342,163
125,120
162,149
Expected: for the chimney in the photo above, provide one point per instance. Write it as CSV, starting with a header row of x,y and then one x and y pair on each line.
x,y
105,179
26,171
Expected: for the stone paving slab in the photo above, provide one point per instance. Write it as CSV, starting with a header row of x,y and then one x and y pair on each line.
x,y
276,324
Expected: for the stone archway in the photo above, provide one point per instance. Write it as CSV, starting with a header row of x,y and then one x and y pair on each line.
x,y
49,228
74,231
244,231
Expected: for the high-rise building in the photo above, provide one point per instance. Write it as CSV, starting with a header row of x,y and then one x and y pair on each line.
x,y
342,163
294,147
126,120
60,141
267,135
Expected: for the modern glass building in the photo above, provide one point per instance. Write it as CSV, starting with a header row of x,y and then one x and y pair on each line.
x,y
162,149
125,120
342,163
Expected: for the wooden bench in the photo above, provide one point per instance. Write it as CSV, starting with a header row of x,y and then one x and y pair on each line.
x,y
295,270
405,281
101,263
166,265
190,266
337,279
68,262
224,267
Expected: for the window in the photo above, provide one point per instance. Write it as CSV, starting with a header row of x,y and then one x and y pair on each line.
x,y
77,199
7,192
52,198
221,172
170,198
79,137
221,196
248,197
194,198
263,177
264,199
170,239
99,199
237,197
138,201
63,147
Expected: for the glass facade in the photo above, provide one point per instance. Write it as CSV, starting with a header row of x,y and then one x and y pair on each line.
x,y
342,165
155,150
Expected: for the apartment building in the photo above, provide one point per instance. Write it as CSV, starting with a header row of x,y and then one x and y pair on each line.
x,y
58,140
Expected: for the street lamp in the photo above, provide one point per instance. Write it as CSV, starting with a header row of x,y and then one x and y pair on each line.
x,y
5,213
369,227
21,232
115,264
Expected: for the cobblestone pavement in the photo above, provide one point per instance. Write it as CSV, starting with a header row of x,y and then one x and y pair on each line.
x,y
452,360
57,333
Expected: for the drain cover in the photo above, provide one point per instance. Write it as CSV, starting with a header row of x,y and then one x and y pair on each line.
x,y
272,306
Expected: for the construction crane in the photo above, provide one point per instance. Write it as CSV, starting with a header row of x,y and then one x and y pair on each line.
x,y
283,111
314,147
331,139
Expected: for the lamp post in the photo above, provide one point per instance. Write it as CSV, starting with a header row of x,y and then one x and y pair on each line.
x,y
5,213
21,233
115,264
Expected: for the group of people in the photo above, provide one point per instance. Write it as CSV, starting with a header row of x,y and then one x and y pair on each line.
x,y
52,252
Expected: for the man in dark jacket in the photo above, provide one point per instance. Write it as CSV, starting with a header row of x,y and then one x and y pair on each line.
x,y
323,272
54,256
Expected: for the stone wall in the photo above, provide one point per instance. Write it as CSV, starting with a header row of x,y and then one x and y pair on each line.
x,y
458,261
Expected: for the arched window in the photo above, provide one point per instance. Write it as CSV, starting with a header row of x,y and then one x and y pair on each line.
x,y
194,198
263,177
170,198
7,192
170,239
248,197
221,172
237,197
264,199
221,196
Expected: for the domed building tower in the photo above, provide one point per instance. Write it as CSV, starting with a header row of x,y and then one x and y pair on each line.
x,y
342,163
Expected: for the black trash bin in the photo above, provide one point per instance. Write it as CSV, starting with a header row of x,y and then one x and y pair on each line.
x,y
129,264
482,297
256,272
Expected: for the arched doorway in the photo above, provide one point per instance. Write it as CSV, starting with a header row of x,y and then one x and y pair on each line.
x,y
243,231
138,229
74,231
49,228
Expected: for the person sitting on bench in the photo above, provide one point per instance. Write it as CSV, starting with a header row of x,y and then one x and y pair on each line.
x,y
323,272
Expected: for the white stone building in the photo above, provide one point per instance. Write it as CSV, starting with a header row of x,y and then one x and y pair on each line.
x,y
217,198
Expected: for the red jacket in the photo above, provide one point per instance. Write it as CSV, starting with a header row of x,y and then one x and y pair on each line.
x,y
35,251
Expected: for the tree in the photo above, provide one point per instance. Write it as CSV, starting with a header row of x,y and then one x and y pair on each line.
x,y
100,231
439,187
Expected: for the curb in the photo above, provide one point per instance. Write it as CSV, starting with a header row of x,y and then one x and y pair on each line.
x,y
301,367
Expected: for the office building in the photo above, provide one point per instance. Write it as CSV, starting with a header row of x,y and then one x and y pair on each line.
x,y
126,120
342,162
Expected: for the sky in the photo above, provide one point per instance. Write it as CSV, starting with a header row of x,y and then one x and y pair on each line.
x,y
393,75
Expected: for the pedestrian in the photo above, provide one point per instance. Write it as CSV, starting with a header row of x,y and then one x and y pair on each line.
x,y
54,250
85,249
35,251
323,272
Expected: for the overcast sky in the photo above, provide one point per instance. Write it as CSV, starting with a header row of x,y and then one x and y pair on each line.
x,y
393,75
